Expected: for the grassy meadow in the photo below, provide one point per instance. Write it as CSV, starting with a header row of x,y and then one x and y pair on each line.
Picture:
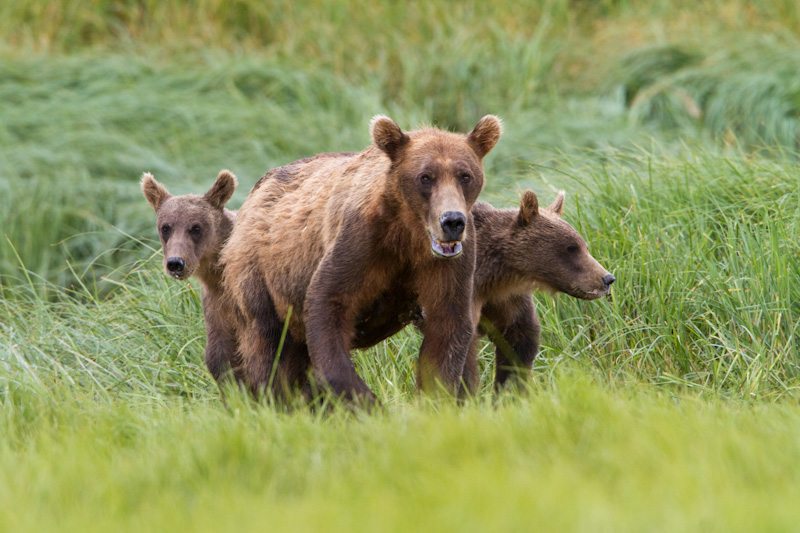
x,y
674,129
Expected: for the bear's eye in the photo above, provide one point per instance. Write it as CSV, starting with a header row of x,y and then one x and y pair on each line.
x,y
165,229
425,178
572,249
465,178
195,230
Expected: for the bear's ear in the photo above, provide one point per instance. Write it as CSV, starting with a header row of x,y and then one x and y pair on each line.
x,y
558,204
222,190
154,192
387,135
485,135
528,207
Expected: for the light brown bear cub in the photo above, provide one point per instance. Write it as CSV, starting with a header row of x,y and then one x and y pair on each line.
x,y
324,235
518,250
193,229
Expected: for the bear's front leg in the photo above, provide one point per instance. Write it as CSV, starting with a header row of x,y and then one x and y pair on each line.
x,y
471,377
446,300
221,354
513,327
341,283
222,357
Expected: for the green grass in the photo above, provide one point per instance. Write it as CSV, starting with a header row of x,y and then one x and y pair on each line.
x,y
748,95
706,252
575,455
672,126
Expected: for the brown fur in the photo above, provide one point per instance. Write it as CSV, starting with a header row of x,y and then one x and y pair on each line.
x,y
518,250
324,235
192,229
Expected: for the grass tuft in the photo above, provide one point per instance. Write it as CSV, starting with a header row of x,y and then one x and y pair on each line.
x,y
747,95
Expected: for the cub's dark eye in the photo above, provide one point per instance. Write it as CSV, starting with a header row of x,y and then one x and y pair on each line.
x,y
165,229
425,178
466,178
195,230
572,249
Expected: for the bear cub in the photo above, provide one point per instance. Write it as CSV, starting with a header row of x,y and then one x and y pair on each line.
x,y
193,229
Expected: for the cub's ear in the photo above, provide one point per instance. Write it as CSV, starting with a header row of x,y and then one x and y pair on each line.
x,y
153,191
528,207
387,135
485,135
558,205
222,190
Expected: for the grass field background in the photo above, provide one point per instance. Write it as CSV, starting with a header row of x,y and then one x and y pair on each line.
x,y
673,128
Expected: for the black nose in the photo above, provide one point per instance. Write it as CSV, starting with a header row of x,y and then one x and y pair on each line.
x,y
609,279
175,264
453,224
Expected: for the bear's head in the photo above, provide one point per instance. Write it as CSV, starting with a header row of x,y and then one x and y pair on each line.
x,y
438,174
551,253
192,228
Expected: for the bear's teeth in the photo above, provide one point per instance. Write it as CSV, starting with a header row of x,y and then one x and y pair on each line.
x,y
446,249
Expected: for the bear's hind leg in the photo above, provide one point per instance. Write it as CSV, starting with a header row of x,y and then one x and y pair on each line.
x,y
259,334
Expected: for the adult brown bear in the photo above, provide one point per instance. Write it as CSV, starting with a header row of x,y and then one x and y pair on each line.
x,y
518,250
323,236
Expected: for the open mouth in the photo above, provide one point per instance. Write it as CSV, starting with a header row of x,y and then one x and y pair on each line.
x,y
446,249
590,295
180,276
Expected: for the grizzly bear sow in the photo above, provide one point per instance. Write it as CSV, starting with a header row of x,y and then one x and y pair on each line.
x,y
518,250
193,229
323,236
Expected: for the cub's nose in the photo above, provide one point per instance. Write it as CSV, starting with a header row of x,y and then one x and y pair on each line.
x,y
175,265
609,279
453,224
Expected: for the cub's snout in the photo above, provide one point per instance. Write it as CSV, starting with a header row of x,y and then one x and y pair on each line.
x,y
176,267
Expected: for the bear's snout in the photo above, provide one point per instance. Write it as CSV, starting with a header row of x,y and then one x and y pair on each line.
x,y
453,224
608,279
175,265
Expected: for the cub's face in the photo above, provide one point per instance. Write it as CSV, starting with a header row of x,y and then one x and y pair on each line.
x,y
191,227
553,254
187,230
439,175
